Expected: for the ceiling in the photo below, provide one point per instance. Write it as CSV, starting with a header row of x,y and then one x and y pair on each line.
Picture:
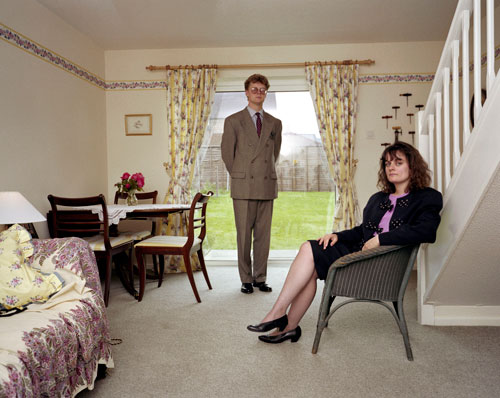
x,y
150,24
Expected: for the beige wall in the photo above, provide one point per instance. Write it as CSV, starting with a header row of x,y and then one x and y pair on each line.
x,y
70,133
147,154
53,129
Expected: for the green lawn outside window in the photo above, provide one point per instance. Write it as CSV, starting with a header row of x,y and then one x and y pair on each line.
x,y
297,216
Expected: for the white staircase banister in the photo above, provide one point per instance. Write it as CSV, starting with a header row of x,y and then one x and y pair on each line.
x,y
456,120
430,121
477,58
455,32
490,44
439,156
465,75
463,159
446,125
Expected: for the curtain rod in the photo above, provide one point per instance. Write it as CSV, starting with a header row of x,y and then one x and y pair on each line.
x,y
249,66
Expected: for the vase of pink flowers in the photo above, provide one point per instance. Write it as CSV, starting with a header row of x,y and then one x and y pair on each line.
x,y
132,198
130,184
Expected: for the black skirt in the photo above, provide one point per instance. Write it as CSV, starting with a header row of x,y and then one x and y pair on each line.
x,y
323,258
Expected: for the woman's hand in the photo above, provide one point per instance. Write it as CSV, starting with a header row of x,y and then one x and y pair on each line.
x,y
332,238
372,243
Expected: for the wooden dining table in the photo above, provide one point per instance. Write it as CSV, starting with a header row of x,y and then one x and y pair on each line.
x,y
123,212
120,212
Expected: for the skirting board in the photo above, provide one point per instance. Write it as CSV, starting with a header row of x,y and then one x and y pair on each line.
x,y
451,315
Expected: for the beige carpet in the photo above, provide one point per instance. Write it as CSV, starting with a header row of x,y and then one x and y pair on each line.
x,y
175,347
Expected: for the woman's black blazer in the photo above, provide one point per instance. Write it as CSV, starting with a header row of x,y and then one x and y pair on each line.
x,y
415,220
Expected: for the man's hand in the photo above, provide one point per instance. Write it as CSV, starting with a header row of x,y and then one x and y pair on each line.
x,y
332,238
372,243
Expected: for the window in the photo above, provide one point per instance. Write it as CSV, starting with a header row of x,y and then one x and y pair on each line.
x,y
304,208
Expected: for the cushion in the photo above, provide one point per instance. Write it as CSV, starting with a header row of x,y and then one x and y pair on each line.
x,y
96,242
167,241
20,284
139,235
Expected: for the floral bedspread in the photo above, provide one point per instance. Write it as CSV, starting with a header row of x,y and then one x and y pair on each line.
x,y
53,349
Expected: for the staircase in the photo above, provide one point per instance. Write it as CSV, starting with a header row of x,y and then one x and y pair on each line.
x,y
459,275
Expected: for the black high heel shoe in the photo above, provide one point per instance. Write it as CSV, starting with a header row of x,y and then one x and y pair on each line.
x,y
293,335
279,323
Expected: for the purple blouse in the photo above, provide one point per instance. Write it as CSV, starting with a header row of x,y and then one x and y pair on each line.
x,y
386,218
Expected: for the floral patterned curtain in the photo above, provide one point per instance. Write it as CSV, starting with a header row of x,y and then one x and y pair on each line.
x,y
190,94
334,90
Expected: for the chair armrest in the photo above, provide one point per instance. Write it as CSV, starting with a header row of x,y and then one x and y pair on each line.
x,y
364,255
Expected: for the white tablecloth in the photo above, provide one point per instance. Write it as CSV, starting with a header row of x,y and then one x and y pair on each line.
x,y
119,212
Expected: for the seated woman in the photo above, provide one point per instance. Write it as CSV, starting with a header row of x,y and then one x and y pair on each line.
x,y
405,211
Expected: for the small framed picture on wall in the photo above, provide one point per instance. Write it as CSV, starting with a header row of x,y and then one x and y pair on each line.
x,y
139,124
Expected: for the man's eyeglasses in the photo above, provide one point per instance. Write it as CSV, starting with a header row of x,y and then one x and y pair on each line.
x,y
255,90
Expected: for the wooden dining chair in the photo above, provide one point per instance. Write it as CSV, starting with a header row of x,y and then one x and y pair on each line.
x,y
137,236
149,197
178,245
86,225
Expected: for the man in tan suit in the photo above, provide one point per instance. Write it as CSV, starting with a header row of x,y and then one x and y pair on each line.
x,y
250,147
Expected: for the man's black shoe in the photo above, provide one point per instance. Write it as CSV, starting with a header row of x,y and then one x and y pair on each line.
x,y
263,287
246,288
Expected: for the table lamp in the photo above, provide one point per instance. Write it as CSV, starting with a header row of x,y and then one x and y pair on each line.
x,y
15,209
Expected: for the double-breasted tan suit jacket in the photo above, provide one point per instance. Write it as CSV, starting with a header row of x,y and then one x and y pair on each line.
x,y
250,160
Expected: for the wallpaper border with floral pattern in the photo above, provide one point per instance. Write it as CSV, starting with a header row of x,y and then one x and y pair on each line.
x,y
31,47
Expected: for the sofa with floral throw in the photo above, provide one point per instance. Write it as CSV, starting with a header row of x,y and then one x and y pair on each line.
x,y
54,347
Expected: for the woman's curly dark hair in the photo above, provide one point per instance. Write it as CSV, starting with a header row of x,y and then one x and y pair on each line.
x,y
420,175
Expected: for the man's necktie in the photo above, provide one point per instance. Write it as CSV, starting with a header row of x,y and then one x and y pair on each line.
x,y
258,123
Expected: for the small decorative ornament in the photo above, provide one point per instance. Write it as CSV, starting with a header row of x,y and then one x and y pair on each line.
x,y
397,131
396,111
403,202
387,205
406,95
374,227
387,117
396,223
130,184
412,133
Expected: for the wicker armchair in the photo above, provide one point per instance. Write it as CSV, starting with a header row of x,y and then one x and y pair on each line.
x,y
377,275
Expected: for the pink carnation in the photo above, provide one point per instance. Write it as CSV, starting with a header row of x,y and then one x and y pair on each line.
x,y
139,178
125,176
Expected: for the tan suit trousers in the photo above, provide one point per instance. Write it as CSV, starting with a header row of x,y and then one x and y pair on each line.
x,y
253,216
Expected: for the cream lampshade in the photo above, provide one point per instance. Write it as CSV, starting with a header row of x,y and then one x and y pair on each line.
x,y
15,209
